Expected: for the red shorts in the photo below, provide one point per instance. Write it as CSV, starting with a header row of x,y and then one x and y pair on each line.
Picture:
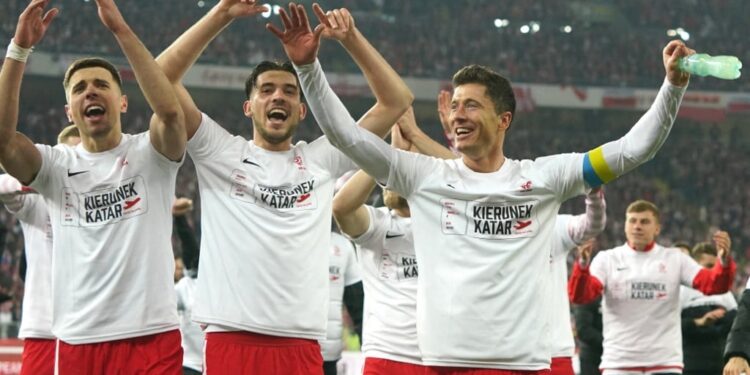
x,y
380,366
251,353
38,357
562,366
158,354
438,370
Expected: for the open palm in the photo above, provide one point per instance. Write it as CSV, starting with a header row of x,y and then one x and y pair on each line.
x,y
300,43
110,15
242,8
33,23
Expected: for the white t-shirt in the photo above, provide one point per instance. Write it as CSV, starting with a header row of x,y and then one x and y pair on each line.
x,y
342,272
641,305
112,253
192,334
266,219
562,344
390,274
690,297
483,244
36,319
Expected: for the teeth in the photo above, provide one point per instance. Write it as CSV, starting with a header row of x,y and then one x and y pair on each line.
x,y
460,131
94,109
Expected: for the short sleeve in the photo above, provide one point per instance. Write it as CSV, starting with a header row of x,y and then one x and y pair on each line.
x,y
689,268
209,139
375,234
351,273
408,171
330,158
599,267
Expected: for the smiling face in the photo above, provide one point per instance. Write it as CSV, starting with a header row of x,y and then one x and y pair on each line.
x,y
95,102
276,108
477,129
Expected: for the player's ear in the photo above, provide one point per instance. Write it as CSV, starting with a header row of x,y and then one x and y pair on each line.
x,y
302,111
247,108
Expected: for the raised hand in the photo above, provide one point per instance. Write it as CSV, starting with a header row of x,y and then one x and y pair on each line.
x,y
408,124
585,252
338,24
723,244
111,16
300,43
671,55
241,8
33,23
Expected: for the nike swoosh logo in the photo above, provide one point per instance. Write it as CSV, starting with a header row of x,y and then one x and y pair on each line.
x,y
389,235
247,161
450,186
622,268
71,174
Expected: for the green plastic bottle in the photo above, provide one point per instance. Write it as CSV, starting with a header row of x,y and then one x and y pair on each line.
x,y
701,64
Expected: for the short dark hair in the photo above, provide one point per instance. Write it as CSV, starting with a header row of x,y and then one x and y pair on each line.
x,y
499,89
703,248
267,66
91,62
642,205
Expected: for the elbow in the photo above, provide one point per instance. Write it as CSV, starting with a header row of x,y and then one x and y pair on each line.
x,y
339,209
172,117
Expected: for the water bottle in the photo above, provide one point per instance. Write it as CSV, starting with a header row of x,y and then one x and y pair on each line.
x,y
701,64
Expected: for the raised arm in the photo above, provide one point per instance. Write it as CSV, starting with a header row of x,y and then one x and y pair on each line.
x,y
349,209
421,141
583,287
582,228
18,155
167,128
177,59
301,44
718,279
391,92
640,144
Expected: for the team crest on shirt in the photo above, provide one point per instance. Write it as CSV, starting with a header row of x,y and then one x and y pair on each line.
x,y
105,205
300,196
490,220
334,273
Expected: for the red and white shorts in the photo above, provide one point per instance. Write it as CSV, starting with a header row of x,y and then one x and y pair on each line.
x,y
38,357
254,353
158,354
380,366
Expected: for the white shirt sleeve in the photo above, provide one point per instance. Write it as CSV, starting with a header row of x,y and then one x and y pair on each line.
x,y
689,268
373,237
599,267
351,271
209,139
367,150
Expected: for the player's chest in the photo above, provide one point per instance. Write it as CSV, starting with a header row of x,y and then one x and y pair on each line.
x,y
643,280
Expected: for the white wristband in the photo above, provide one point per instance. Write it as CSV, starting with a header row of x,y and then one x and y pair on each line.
x,y
17,52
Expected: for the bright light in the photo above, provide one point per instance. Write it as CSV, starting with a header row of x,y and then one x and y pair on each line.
x,y
267,14
276,9
201,4
671,33
535,26
684,35
525,29
567,29
499,23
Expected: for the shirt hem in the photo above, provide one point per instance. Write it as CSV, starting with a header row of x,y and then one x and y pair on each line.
x,y
76,340
321,335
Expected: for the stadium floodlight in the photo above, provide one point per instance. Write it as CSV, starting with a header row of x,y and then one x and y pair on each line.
x,y
525,29
671,33
684,35
267,14
535,26
567,29
501,22
201,4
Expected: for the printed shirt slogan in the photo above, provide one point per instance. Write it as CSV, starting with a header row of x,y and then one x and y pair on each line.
x,y
489,220
105,206
282,198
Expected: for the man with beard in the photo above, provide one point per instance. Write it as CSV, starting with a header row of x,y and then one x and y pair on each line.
x,y
263,289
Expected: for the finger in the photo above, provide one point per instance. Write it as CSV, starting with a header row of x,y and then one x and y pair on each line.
x,y
275,31
346,18
294,14
332,20
304,21
669,49
318,32
49,16
339,18
321,15
285,20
